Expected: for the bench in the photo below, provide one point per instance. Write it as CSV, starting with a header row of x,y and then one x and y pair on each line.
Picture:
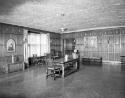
x,y
92,61
12,67
122,62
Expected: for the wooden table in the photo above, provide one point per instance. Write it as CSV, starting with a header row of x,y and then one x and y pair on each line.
x,y
66,64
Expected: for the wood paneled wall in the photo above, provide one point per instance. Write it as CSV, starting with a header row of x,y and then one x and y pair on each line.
x,y
55,42
108,43
10,32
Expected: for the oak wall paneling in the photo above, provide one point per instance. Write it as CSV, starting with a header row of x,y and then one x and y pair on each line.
x,y
110,43
10,32
55,44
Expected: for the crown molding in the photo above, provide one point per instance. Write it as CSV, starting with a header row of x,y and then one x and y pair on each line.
x,y
98,28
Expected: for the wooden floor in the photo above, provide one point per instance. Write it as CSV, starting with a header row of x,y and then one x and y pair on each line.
x,y
106,81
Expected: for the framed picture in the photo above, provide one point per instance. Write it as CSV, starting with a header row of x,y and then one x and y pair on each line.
x,y
11,45
90,42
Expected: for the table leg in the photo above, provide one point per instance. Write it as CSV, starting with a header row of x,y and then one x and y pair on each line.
x,y
76,65
62,71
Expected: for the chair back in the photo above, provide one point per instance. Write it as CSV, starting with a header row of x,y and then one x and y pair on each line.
x,y
49,62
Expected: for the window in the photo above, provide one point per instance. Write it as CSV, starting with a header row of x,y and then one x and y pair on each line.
x,y
38,44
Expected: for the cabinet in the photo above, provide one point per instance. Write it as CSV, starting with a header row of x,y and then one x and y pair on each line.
x,y
12,67
69,45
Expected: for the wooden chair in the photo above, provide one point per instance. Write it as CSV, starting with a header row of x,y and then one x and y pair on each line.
x,y
52,69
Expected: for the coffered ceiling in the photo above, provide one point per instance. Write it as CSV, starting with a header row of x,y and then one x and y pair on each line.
x,y
52,15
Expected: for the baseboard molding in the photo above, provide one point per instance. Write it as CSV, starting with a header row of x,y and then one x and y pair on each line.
x,y
112,62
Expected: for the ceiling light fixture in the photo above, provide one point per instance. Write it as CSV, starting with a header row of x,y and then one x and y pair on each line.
x,y
62,29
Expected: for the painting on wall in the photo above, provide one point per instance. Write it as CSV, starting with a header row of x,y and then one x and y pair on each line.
x,y
11,45
90,42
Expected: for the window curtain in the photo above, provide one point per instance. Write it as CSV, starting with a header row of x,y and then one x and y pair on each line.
x,y
45,44
38,44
